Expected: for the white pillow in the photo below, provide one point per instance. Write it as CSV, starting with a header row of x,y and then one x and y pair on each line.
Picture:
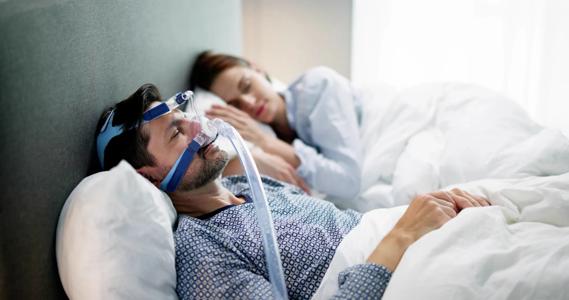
x,y
115,239
205,99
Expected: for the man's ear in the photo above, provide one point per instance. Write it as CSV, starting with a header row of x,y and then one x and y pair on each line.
x,y
150,173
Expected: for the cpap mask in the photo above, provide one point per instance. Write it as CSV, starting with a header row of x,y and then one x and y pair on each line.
x,y
206,136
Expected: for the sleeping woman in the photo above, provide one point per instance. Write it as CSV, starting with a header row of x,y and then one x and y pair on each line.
x,y
316,121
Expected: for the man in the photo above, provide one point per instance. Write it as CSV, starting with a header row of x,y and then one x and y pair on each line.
x,y
218,244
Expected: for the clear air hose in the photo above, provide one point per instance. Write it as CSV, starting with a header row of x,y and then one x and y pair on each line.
x,y
272,256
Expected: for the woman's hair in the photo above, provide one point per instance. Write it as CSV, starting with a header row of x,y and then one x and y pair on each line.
x,y
209,65
131,144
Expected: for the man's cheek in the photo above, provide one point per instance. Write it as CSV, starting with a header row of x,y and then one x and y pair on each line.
x,y
195,167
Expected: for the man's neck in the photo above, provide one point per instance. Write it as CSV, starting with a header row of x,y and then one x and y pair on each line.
x,y
204,200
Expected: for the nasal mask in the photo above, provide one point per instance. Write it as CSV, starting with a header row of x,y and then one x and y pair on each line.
x,y
207,135
209,130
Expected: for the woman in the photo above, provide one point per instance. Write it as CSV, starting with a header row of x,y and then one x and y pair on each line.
x,y
316,119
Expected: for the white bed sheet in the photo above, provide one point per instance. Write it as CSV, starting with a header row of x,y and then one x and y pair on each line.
x,y
516,249
424,138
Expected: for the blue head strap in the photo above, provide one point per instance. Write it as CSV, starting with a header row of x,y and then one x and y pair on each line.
x,y
176,173
166,106
107,133
171,181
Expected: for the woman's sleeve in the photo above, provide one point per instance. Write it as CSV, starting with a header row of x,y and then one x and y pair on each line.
x,y
330,161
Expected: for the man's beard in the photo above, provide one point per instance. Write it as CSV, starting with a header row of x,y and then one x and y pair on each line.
x,y
210,170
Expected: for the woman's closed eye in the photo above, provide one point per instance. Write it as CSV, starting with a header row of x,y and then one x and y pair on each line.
x,y
245,84
246,87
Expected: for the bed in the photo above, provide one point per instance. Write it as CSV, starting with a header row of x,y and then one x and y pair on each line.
x,y
62,63
444,135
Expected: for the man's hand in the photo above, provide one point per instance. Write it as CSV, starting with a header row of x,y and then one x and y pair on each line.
x,y
243,123
425,214
461,199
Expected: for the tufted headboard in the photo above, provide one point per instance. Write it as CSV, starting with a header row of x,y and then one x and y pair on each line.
x,y
62,63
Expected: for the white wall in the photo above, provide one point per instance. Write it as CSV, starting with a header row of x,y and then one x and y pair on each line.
x,y
287,37
554,111
516,47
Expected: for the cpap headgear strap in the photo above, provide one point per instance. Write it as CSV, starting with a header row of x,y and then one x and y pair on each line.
x,y
172,180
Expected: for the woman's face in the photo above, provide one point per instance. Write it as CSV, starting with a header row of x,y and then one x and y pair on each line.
x,y
249,91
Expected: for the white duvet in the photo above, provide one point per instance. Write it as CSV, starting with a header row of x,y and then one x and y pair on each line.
x,y
428,137
516,249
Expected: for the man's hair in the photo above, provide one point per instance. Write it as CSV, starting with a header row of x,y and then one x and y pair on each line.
x,y
131,145
209,65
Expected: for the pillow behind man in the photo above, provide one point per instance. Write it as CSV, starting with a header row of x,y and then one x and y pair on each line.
x,y
115,239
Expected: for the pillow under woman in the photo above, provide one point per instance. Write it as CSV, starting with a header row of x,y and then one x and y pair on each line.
x,y
316,121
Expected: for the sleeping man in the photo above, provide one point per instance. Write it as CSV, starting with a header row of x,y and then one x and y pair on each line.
x,y
218,244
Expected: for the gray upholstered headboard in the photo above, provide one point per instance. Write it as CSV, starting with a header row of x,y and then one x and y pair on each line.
x,y
62,62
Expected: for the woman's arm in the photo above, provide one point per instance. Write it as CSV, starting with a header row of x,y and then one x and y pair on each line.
x,y
278,147
248,129
323,110
270,165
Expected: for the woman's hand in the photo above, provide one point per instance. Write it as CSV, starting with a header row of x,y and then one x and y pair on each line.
x,y
249,130
276,167
243,123
425,214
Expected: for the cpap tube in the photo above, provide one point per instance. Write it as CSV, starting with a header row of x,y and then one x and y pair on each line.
x,y
272,256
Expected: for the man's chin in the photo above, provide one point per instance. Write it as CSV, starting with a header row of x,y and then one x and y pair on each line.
x,y
211,170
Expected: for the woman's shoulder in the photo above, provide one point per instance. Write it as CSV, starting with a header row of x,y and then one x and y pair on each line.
x,y
316,80
320,74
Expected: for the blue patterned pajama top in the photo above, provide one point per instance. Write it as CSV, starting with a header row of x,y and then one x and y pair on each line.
x,y
220,255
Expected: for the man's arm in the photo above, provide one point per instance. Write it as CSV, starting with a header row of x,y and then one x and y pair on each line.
x,y
425,214
364,281
223,274
218,281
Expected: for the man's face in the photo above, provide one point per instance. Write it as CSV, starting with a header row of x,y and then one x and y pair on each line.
x,y
169,136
